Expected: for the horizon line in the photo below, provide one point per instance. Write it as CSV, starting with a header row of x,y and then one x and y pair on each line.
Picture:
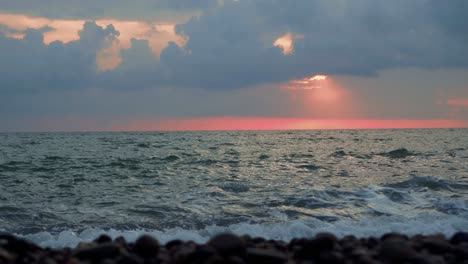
x,y
230,123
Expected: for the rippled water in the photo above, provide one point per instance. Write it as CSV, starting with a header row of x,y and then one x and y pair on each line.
x,y
62,188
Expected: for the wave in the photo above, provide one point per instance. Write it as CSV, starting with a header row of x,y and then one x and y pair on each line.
x,y
423,224
171,158
398,153
13,166
429,182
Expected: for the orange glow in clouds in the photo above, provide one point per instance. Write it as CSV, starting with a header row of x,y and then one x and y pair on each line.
x,y
158,34
286,42
318,78
314,82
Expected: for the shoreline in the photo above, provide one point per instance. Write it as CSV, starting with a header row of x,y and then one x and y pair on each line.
x,y
229,248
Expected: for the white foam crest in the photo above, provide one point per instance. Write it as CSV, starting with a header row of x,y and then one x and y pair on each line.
x,y
423,224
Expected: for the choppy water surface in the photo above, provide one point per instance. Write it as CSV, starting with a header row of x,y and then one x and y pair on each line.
x,y
61,188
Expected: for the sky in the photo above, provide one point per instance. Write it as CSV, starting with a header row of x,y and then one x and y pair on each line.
x,y
100,65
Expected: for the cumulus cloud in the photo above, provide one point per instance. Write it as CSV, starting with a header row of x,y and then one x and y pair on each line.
x,y
30,65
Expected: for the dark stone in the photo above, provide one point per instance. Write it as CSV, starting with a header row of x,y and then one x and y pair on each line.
x,y
422,259
59,255
163,257
459,237
231,249
396,250
184,253
349,238
246,238
17,245
358,253
311,249
48,260
203,252
27,258
257,240
146,246
349,244
449,258
296,244
255,255
7,236
174,243
105,261
235,260
129,259
281,246
372,242
121,241
436,245
393,236
307,251
216,259
103,239
228,244
99,252
461,252
331,257
366,260
325,241
5,257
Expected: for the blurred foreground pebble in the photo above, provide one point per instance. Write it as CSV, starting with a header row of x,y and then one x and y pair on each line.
x,y
228,248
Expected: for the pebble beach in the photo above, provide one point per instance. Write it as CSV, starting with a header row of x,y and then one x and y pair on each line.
x,y
229,248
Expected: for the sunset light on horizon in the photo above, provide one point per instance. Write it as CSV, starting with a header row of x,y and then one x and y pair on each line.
x,y
256,123
226,123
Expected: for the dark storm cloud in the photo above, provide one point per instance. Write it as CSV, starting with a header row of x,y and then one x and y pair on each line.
x,y
339,37
91,9
230,46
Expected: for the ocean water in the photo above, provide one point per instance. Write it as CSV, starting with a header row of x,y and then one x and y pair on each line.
x,y
58,189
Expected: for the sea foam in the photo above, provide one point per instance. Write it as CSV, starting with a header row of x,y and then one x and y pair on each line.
x,y
423,224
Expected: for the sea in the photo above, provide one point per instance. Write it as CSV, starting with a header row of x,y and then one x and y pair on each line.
x,y
60,189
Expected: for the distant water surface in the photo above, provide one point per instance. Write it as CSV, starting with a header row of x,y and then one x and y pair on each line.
x,y
58,189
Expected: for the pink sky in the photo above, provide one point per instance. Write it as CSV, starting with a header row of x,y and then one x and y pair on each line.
x,y
261,123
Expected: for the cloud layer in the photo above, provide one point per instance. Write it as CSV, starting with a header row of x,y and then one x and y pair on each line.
x,y
231,45
93,9
30,65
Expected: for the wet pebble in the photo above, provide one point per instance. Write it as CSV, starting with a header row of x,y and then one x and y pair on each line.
x,y
228,244
255,255
460,237
103,239
146,246
99,252
229,248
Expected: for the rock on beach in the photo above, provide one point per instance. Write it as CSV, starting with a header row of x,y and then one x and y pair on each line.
x,y
229,248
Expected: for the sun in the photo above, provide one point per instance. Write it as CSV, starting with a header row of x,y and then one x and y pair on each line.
x,y
309,83
318,78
